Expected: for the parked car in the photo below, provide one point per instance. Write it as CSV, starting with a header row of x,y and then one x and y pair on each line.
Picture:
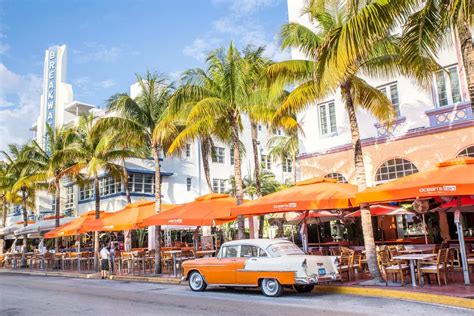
x,y
271,264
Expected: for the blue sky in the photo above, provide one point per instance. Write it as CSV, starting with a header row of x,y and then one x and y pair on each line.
x,y
110,40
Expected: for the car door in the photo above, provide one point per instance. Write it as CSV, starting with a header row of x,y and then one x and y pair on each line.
x,y
247,252
222,269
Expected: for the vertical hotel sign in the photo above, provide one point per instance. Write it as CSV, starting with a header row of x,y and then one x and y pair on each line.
x,y
51,77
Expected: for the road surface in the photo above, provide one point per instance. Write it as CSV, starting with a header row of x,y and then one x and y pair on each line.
x,y
22,294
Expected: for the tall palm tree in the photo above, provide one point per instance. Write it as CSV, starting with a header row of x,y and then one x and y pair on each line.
x,y
431,26
94,152
219,93
50,166
147,118
351,39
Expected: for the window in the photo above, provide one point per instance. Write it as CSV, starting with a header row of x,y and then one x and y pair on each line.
x,y
447,86
188,150
189,184
467,152
394,169
218,185
232,159
86,192
391,92
109,186
141,183
287,165
218,154
247,251
229,252
266,162
327,118
69,198
337,176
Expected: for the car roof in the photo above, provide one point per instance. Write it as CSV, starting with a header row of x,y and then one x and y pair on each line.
x,y
263,243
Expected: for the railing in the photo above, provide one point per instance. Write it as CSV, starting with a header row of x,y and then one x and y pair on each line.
x,y
384,130
448,115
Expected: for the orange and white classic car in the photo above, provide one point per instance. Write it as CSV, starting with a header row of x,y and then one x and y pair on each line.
x,y
271,264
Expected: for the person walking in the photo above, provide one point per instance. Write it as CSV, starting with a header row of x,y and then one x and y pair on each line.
x,y
104,255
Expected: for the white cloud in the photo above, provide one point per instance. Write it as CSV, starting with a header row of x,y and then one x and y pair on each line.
x,y
23,93
200,47
246,6
85,86
4,48
95,52
109,83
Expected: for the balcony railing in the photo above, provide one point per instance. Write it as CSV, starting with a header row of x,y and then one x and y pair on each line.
x,y
389,131
448,115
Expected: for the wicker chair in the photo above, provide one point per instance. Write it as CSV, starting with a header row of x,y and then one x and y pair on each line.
x,y
393,268
439,268
357,261
345,264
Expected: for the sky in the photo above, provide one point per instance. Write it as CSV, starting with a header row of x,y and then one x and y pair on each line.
x,y
109,41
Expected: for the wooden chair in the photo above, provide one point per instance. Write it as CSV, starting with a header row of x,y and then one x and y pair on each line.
x,y
356,261
126,262
392,267
345,264
439,268
166,262
335,251
450,262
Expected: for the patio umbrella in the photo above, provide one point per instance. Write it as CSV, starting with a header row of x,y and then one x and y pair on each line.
x,y
383,210
315,217
311,194
451,178
74,227
207,210
127,218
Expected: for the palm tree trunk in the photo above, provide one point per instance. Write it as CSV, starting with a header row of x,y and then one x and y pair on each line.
x,y
258,184
25,223
57,210
125,182
239,191
366,218
467,52
156,158
97,216
205,152
4,220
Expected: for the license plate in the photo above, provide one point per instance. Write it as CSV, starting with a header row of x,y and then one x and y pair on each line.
x,y
322,271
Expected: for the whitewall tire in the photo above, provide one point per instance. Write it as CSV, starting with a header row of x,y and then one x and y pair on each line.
x,y
197,282
271,287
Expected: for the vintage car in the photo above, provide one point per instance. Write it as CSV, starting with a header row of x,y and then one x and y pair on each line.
x,y
271,264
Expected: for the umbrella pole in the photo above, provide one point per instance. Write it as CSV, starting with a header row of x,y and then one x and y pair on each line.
x,y
457,221
424,228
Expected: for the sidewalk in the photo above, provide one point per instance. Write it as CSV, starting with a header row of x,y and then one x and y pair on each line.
x,y
457,295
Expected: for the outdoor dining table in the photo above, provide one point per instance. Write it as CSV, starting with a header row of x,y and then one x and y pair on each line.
x,y
413,258
413,251
173,253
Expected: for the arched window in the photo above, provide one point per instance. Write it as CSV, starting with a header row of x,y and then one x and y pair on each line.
x,y
393,169
466,152
339,177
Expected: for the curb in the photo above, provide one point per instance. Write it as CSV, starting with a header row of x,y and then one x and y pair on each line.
x,y
399,294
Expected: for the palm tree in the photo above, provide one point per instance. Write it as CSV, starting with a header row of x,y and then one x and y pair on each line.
x,y
50,166
219,93
350,40
147,118
431,26
94,152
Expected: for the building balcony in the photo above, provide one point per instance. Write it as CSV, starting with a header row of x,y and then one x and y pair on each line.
x,y
384,130
449,115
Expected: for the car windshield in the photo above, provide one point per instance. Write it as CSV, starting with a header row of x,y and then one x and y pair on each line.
x,y
284,249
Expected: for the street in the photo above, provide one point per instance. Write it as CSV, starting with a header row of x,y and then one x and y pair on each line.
x,y
22,294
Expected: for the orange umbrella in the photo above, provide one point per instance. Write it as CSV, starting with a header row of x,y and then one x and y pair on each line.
x,y
127,218
206,210
311,194
454,177
74,227
383,210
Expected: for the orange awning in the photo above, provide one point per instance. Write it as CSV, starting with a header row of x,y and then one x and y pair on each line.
x,y
74,227
127,218
311,194
454,177
207,210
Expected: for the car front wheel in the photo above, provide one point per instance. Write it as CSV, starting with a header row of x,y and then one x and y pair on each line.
x,y
271,287
304,288
196,282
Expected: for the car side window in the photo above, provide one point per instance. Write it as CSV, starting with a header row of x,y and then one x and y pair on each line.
x,y
229,252
262,253
247,251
